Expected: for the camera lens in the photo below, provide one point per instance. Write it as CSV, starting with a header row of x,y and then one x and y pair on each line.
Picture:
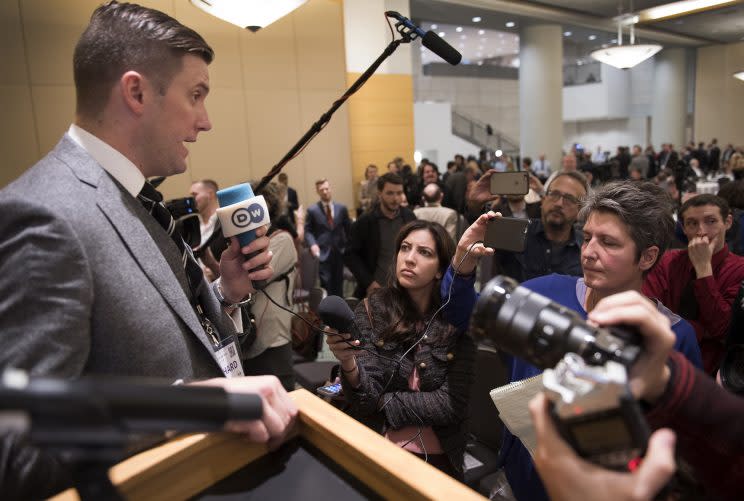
x,y
529,325
732,369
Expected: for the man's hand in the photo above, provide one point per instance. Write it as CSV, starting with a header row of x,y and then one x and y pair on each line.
x,y
568,477
480,192
235,272
700,251
649,375
279,410
315,250
536,185
372,287
475,233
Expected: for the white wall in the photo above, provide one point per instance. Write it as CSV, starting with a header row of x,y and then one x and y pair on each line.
x,y
609,134
433,134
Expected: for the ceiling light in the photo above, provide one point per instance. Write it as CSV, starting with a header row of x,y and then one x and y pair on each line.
x,y
434,26
567,33
625,56
739,75
592,37
511,24
476,19
683,7
441,34
249,14
498,153
458,29
480,63
481,32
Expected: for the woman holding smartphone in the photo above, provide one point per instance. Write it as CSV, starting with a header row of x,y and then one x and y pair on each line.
x,y
408,374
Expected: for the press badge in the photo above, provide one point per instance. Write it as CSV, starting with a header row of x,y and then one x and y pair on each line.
x,y
226,354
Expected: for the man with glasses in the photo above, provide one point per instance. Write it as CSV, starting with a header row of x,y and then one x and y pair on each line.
x,y
552,245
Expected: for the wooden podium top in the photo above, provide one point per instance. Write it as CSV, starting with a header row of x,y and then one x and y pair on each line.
x,y
187,465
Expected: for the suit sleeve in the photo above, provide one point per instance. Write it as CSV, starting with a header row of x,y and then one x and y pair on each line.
x,y
347,226
45,307
310,227
46,293
354,252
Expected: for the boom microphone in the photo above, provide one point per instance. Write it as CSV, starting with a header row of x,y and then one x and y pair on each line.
x,y
430,40
241,213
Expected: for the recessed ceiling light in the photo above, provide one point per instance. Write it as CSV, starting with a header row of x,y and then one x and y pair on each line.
x,y
592,37
441,33
567,33
579,62
511,24
480,63
476,19
481,32
458,29
434,26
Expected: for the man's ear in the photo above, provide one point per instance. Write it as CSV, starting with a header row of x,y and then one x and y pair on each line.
x,y
132,86
729,221
648,258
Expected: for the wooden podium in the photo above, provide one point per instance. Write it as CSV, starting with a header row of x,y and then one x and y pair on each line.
x,y
187,466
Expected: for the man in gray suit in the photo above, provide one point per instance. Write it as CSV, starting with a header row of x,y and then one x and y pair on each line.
x,y
91,283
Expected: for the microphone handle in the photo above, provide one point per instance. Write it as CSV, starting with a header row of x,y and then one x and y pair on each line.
x,y
243,240
244,406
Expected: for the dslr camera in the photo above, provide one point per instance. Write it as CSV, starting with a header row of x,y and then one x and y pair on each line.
x,y
586,376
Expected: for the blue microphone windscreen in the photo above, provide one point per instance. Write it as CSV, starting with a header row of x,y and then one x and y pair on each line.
x,y
234,194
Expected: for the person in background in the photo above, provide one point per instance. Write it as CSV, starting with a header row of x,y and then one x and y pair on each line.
x,y
327,227
271,351
289,197
370,248
417,401
434,212
700,282
205,195
368,189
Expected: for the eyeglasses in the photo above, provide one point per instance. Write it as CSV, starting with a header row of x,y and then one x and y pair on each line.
x,y
556,195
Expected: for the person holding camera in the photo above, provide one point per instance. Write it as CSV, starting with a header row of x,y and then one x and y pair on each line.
x,y
626,228
703,420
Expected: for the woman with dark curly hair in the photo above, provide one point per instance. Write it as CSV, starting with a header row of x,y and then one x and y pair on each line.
x,y
408,375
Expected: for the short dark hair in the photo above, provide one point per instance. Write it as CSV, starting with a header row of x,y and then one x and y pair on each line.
x,y
573,174
644,208
209,183
388,177
122,37
705,199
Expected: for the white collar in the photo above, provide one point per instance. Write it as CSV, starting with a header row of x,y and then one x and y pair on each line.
x,y
112,160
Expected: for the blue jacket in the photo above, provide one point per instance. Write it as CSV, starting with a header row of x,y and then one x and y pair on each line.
x,y
513,456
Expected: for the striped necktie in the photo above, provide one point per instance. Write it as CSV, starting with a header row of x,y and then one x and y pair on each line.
x,y
152,200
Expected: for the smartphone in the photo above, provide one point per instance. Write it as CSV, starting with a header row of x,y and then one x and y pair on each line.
x,y
510,183
331,390
506,233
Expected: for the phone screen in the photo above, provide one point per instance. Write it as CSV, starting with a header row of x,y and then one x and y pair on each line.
x,y
329,391
506,233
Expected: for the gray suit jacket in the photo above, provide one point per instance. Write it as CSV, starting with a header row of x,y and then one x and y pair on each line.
x,y
91,284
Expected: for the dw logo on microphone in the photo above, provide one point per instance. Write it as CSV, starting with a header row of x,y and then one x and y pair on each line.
x,y
242,217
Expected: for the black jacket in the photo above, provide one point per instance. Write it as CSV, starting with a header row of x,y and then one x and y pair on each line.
x,y
445,362
361,253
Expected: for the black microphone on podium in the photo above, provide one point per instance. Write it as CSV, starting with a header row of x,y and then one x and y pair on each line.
x,y
429,39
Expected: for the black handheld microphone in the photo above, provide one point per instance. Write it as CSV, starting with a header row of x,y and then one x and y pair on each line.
x,y
335,313
130,404
431,40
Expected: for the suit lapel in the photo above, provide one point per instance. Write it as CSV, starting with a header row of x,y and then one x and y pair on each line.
x,y
127,216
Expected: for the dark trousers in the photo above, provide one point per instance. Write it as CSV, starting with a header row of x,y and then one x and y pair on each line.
x,y
331,273
273,361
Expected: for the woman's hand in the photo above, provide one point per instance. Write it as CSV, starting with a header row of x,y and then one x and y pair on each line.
x,y
475,233
343,349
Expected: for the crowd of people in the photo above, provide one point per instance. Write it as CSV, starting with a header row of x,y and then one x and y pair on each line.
x,y
95,280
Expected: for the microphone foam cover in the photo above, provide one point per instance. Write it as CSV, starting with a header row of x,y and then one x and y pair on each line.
x,y
335,313
438,46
